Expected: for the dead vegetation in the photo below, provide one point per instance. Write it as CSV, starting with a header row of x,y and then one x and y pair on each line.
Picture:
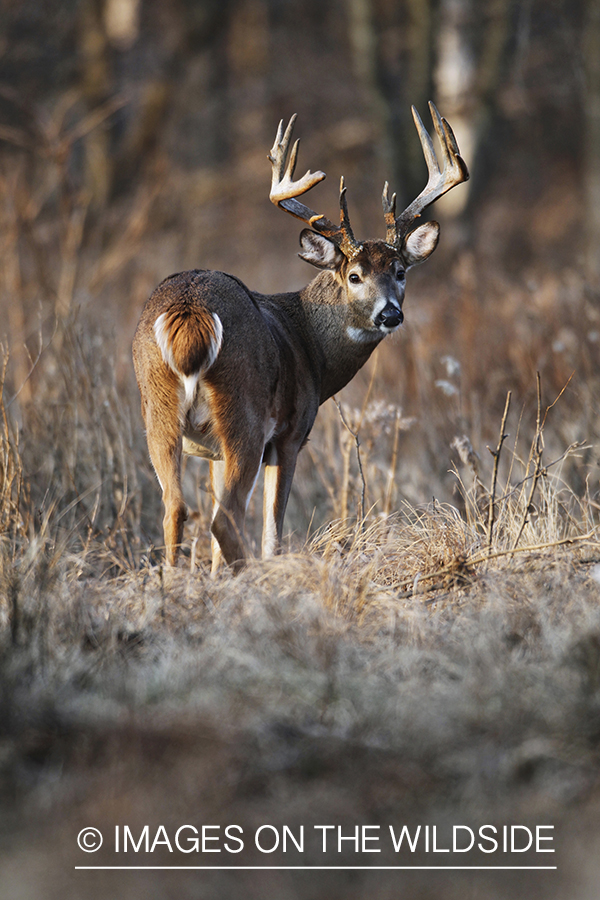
x,y
436,662
428,649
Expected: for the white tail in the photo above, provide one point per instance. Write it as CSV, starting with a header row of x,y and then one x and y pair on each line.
x,y
237,377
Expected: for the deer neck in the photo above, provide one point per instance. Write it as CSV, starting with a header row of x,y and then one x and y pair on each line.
x,y
333,349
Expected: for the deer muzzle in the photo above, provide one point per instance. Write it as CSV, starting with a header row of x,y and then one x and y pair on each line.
x,y
390,317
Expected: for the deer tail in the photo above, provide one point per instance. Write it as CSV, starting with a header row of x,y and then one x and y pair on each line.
x,y
189,338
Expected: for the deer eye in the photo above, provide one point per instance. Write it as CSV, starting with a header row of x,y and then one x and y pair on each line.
x,y
400,274
354,278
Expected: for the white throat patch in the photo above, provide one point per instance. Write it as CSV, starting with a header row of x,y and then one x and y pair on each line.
x,y
360,335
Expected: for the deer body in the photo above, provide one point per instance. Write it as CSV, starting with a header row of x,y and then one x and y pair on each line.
x,y
237,377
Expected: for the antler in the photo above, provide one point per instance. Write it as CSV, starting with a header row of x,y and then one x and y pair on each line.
x,y
454,172
284,191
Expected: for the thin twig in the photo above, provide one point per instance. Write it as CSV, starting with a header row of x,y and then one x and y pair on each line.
x,y
557,398
359,461
496,454
562,542
478,560
368,392
537,450
393,462
34,362
576,445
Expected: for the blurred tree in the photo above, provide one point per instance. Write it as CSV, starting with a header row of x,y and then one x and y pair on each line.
x,y
591,159
392,45
479,96
366,54
97,85
122,22
203,78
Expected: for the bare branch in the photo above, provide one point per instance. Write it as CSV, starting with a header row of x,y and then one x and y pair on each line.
x,y
496,454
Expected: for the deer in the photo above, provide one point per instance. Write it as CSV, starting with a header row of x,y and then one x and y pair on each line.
x,y
237,377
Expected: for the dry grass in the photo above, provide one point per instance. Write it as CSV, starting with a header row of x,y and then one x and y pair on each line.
x,y
401,667
408,659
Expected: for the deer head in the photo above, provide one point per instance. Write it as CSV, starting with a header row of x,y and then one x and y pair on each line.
x,y
371,272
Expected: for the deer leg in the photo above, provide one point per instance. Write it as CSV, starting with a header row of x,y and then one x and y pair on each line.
x,y
240,473
164,445
278,482
217,483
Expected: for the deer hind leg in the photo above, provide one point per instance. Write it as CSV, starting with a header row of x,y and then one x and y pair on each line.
x,y
233,481
164,445
278,482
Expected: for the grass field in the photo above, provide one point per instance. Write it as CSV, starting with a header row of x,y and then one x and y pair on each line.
x,y
431,663
425,653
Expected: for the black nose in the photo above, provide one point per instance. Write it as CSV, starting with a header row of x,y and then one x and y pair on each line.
x,y
390,317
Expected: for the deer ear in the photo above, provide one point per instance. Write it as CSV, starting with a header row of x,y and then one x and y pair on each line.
x,y
319,251
420,243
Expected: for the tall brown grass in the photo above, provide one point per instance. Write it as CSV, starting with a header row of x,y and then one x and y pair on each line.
x,y
426,647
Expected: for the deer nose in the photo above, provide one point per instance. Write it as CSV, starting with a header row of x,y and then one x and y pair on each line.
x,y
389,317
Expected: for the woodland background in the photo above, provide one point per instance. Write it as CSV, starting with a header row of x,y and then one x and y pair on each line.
x,y
134,136
435,660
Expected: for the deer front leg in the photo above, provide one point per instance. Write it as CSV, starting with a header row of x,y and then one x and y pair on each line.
x,y
217,483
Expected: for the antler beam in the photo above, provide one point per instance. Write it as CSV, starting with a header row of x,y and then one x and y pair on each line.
x,y
438,183
285,191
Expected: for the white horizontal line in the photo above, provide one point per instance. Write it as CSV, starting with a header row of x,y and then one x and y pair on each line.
x,y
335,868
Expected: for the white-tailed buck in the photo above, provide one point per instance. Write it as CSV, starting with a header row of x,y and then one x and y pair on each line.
x,y
237,377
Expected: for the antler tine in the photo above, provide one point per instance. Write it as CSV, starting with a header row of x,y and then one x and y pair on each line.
x,y
348,244
448,143
274,155
389,205
425,138
389,213
452,143
283,187
284,191
439,181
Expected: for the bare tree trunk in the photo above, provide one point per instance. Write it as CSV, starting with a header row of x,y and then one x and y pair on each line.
x,y
247,60
96,84
455,84
419,79
365,56
591,172
391,92
13,286
479,109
